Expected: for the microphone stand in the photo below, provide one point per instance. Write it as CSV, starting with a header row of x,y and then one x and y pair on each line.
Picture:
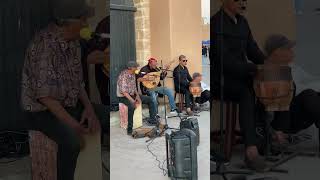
x,y
166,126
220,167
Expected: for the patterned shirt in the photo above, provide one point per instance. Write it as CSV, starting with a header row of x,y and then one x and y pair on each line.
x,y
52,68
126,84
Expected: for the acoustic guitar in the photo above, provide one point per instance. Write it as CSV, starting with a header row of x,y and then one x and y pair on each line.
x,y
152,79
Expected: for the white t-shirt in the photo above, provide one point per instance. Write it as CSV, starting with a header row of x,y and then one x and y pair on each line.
x,y
204,86
304,80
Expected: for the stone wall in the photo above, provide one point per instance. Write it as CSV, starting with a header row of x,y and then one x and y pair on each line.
x,y
142,26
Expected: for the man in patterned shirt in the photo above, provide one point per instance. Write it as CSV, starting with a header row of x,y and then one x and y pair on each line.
x,y
53,90
128,94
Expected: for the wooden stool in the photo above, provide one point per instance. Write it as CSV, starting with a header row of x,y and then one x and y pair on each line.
x,y
231,111
137,117
43,153
181,101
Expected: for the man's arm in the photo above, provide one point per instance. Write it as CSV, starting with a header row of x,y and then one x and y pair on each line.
x,y
189,76
253,51
178,77
231,65
59,111
84,98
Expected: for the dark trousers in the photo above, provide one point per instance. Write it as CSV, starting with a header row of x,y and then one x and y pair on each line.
x,y
187,96
66,137
242,93
304,111
145,100
205,96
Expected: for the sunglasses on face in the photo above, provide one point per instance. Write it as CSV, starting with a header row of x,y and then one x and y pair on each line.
x,y
184,60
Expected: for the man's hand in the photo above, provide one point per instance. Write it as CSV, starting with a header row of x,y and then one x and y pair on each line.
x,y
89,116
280,137
80,130
137,102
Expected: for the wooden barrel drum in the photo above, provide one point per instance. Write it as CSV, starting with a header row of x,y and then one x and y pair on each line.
x,y
195,89
273,86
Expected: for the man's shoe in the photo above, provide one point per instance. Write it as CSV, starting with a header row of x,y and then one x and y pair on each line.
x,y
173,112
189,112
129,133
258,164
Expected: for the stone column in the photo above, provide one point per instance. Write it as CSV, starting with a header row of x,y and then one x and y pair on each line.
x,y
142,26
176,29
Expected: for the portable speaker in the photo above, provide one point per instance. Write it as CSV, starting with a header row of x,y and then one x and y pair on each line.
x,y
181,149
192,124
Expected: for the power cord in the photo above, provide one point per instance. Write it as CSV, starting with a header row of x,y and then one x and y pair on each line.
x,y
105,168
161,167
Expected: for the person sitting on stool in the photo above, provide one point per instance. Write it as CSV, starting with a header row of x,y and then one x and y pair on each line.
x,y
304,107
182,79
128,94
52,88
152,67
205,94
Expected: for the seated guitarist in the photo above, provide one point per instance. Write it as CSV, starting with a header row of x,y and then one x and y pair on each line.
x,y
152,67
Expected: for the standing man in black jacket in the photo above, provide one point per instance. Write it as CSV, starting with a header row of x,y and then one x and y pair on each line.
x,y
182,79
234,44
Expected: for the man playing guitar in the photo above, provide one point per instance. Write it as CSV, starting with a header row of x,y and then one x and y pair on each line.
x,y
144,76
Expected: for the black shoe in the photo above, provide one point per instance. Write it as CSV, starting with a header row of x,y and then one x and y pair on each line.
x,y
129,132
152,121
258,164
216,158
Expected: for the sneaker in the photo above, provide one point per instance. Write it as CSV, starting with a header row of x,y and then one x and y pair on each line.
x,y
173,111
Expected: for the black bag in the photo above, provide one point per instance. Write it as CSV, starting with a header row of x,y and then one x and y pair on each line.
x,y
192,124
181,149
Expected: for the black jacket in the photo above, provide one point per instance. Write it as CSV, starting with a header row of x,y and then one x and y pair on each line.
x,y
235,42
181,78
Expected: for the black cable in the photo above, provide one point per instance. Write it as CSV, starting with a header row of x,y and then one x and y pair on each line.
x,y
164,171
8,162
105,168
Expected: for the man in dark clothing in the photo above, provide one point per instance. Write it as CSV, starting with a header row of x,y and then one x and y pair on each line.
x,y
304,106
152,67
234,44
182,79
95,51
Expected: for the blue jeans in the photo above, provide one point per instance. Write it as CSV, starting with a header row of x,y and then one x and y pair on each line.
x,y
164,91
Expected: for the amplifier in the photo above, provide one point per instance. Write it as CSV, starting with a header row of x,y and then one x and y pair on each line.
x,y
192,124
181,150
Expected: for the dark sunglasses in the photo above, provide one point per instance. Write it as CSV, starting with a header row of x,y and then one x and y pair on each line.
x,y
184,60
